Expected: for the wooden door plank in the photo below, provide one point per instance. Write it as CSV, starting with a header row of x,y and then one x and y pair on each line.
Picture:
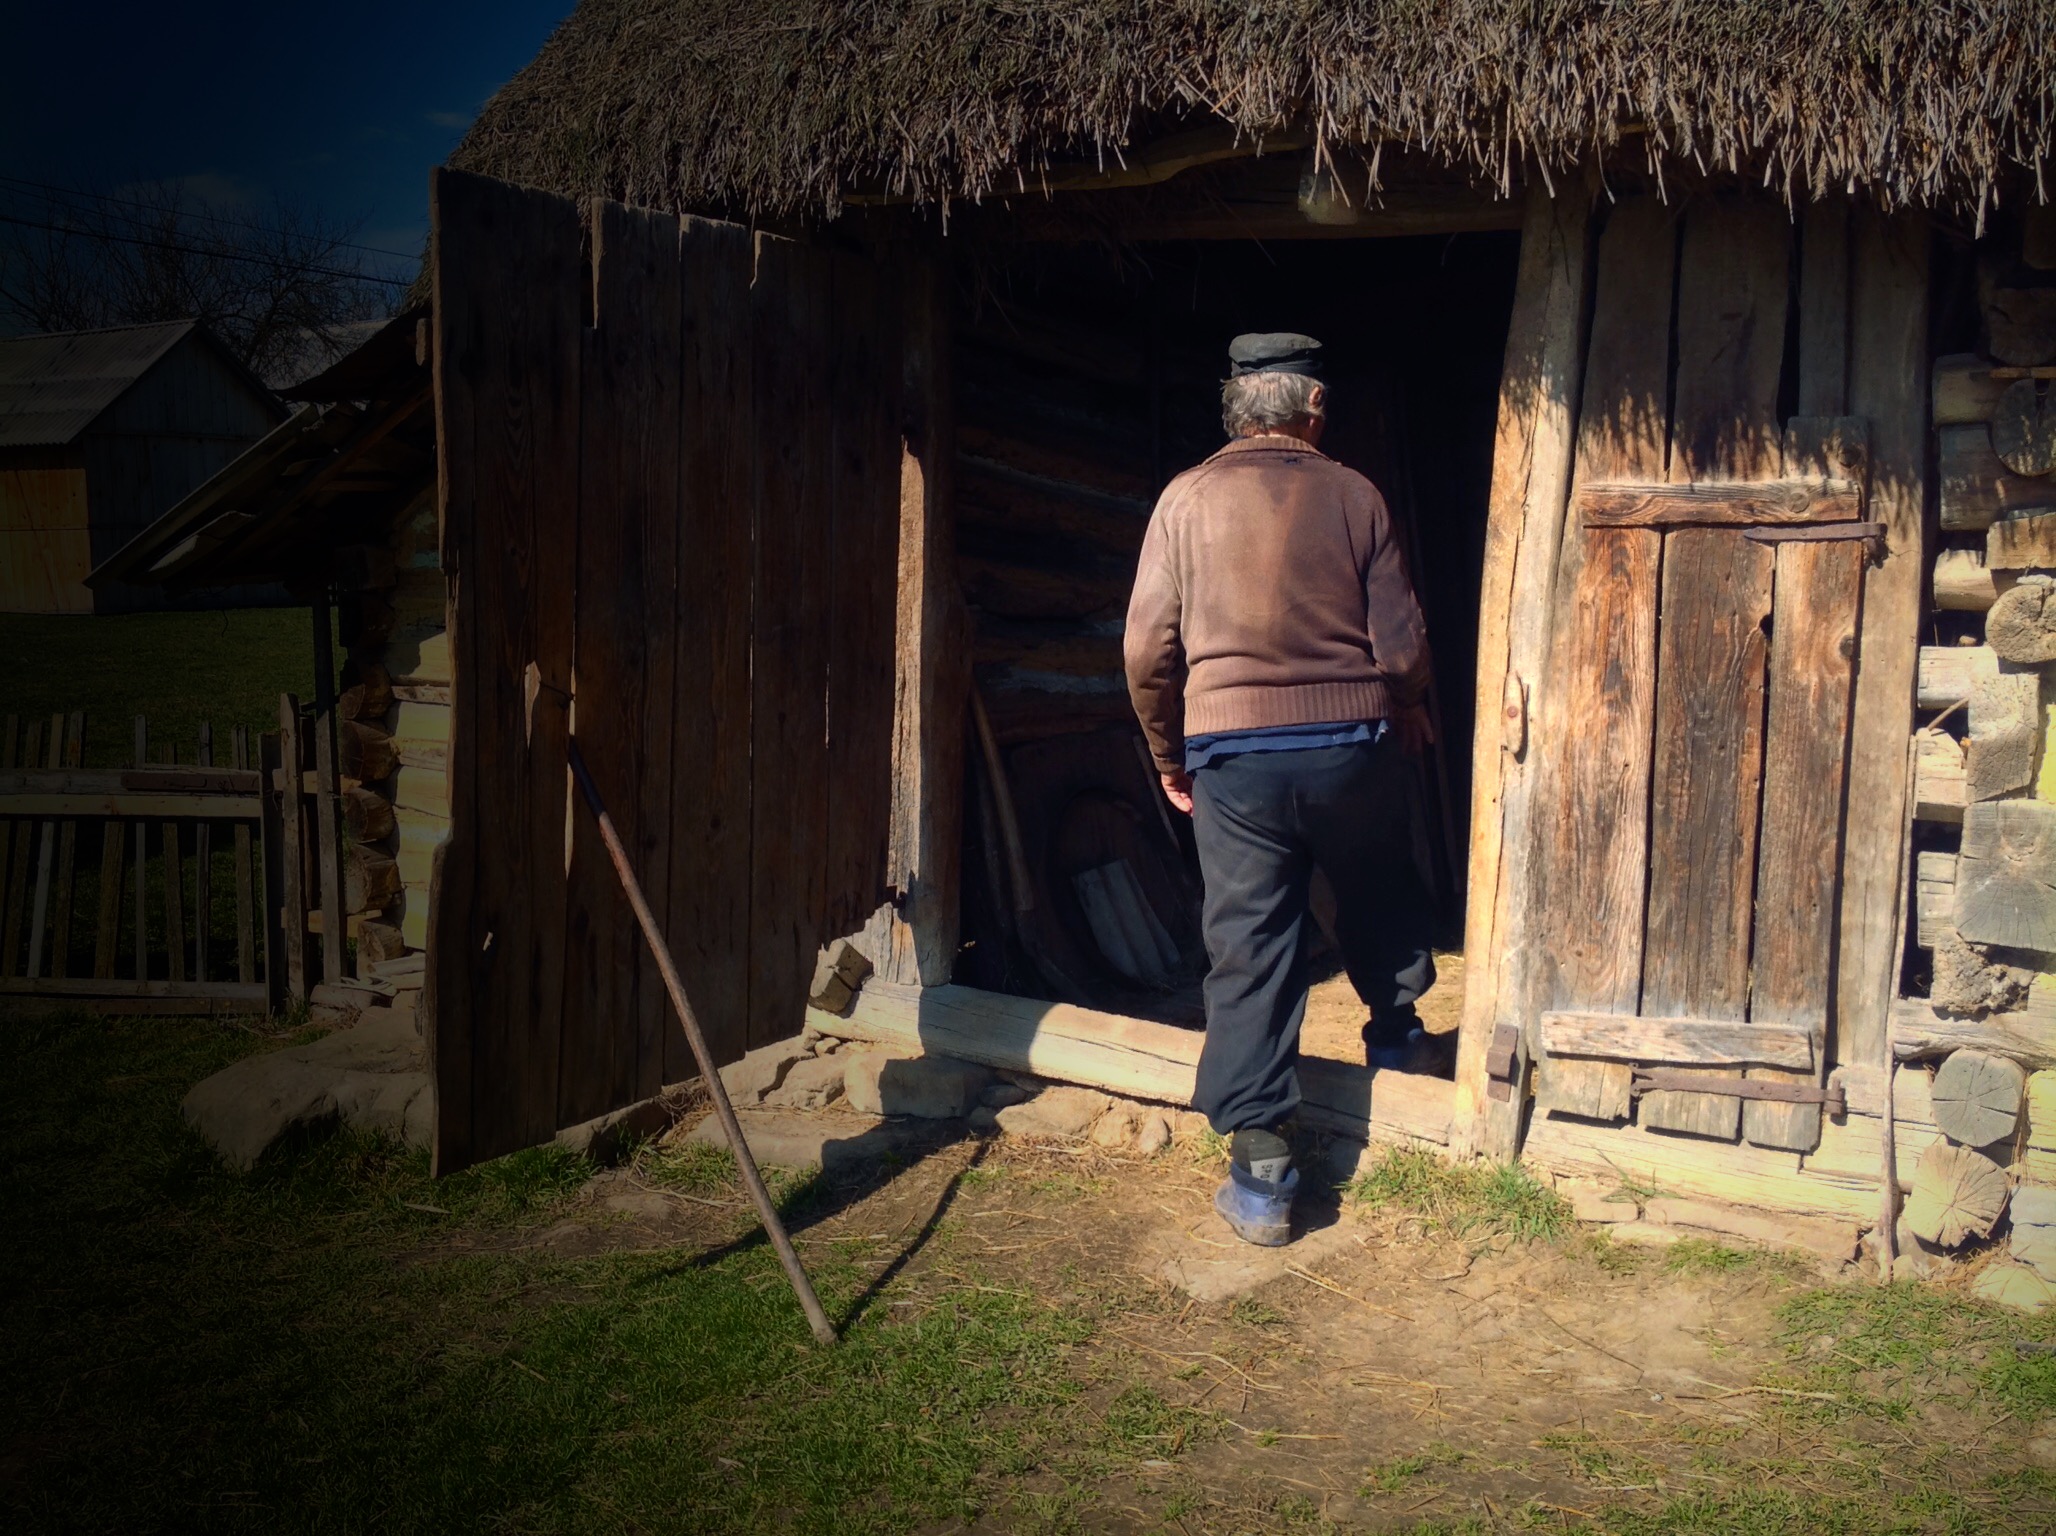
x,y
1531,471
625,605
10,742
1817,594
1717,503
246,951
1888,362
1824,308
1592,849
1640,1039
506,273
862,574
710,717
1733,291
789,640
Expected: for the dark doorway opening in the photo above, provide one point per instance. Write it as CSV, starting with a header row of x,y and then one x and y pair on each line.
x,y
1086,378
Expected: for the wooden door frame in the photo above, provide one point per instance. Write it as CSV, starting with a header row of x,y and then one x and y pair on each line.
x,y
1540,390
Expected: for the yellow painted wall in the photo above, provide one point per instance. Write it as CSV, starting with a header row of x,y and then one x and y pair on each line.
x,y
46,550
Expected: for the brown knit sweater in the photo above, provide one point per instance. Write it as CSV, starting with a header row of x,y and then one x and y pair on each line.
x,y
1271,591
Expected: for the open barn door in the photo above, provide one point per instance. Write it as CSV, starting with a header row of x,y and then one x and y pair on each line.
x,y
670,509
1683,710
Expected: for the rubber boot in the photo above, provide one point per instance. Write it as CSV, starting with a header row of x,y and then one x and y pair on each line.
x,y
1256,1199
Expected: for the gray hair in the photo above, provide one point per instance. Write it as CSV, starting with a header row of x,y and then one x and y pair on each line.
x,y
1264,402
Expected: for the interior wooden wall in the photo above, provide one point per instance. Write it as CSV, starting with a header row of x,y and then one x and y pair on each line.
x,y
670,517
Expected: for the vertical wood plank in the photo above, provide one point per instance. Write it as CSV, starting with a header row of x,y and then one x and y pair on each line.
x,y
915,942
292,921
1733,286
142,884
1888,362
1824,309
174,902
789,637
1817,596
711,724
1531,470
1593,842
273,903
627,492
246,949
506,276
16,894
67,853
862,573
335,936
203,869
10,742
46,861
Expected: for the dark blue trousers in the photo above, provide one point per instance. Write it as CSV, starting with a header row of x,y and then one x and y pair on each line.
x,y
1263,821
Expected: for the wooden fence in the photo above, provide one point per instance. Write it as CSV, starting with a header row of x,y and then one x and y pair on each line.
x,y
169,885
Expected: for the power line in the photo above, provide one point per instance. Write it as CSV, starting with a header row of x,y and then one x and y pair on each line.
x,y
194,250
46,189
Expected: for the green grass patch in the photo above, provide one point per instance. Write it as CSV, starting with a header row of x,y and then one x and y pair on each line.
x,y
175,669
1394,1475
1463,1198
338,1342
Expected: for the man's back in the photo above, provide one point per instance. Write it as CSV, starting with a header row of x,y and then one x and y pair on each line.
x,y
1270,592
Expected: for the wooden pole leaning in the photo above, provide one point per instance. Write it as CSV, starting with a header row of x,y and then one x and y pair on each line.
x,y
817,1319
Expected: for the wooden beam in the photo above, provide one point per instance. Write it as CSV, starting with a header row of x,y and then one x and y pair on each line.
x,y
2024,542
1531,471
1135,1057
1718,504
2028,1034
209,807
108,986
1888,369
1708,1042
913,941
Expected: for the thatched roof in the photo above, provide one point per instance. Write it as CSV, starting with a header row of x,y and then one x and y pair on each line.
x,y
784,107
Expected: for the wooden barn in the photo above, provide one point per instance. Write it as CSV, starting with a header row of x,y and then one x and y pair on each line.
x,y
801,386
100,431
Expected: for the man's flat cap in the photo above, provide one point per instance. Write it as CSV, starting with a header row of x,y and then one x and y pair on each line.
x,y
1274,352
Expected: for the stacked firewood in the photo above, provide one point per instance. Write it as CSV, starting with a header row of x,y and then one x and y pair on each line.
x,y
1985,892
393,729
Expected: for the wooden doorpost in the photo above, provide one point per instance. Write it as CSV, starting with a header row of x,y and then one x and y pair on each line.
x,y
1531,470
913,941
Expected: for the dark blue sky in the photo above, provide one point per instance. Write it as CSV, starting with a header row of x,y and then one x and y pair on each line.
x,y
343,108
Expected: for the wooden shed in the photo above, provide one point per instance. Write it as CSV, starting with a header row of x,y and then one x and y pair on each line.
x,y
802,384
100,431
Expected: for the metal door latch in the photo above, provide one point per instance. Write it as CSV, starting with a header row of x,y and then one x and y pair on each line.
x,y
1662,1080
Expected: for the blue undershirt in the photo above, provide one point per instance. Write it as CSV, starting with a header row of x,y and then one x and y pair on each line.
x,y
1202,750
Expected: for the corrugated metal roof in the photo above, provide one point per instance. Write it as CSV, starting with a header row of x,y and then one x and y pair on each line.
x,y
53,387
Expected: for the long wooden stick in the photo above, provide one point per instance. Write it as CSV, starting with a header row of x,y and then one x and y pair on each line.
x,y
752,1180
1888,1137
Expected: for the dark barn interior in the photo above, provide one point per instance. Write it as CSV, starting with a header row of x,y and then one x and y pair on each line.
x,y
1088,376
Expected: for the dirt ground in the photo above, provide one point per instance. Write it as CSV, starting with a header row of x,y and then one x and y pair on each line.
x,y
1391,1374
1335,1015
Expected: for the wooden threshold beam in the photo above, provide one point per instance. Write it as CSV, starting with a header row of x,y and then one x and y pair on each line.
x,y
1134,1057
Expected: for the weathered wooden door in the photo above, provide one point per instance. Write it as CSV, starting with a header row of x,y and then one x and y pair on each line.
x,y
670,460
1678,889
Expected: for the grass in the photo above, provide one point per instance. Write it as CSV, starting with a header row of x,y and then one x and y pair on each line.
x,y
1464,1199
337,1342
175,669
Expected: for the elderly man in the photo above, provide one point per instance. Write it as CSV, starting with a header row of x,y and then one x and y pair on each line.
x,y
1276,657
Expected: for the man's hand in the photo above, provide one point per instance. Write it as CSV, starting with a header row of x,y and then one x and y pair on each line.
x,y
1178,789
1416,735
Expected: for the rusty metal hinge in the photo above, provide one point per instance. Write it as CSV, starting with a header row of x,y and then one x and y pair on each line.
x,y
1502,1062
1661,1080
